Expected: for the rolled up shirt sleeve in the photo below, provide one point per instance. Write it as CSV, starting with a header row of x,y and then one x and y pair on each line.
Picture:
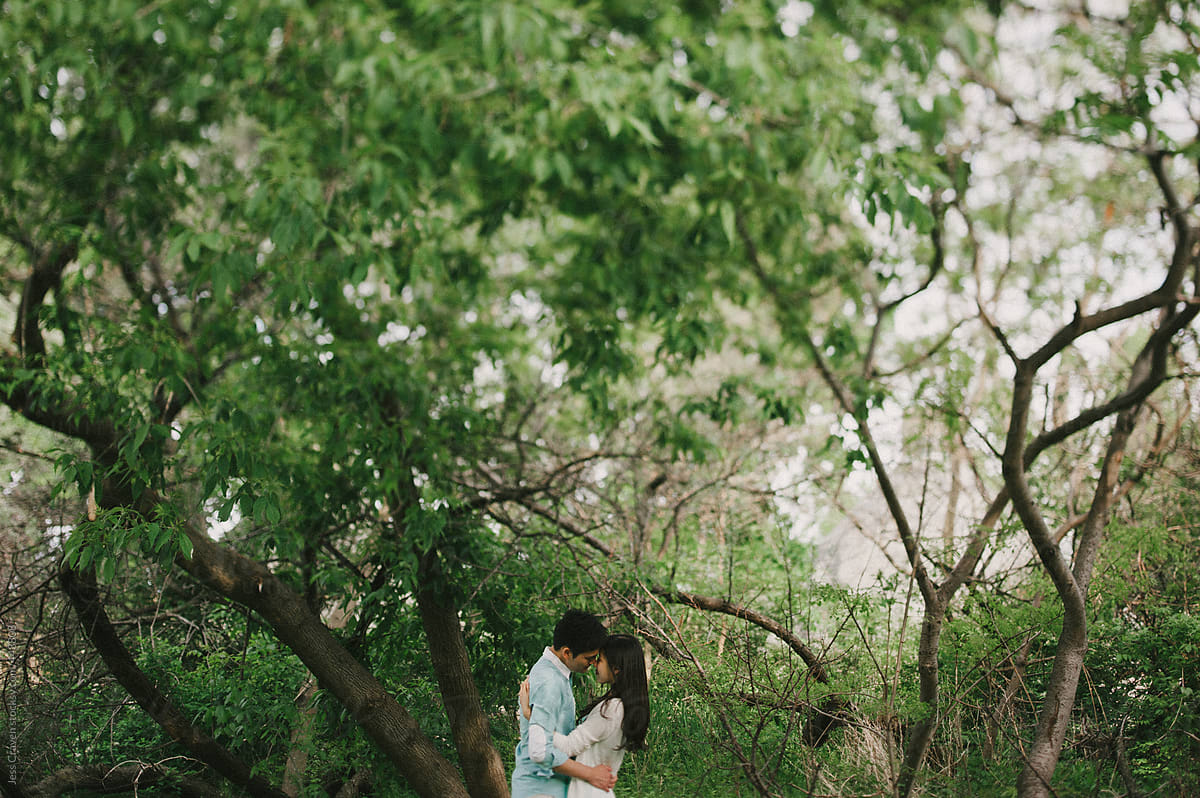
x,y
602,722
543,723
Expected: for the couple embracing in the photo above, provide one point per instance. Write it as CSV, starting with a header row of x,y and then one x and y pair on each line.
x,y
557,758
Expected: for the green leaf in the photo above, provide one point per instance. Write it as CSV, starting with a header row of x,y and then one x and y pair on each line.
x,y
139,436
643,130
728,222
26,88
107,568
125,123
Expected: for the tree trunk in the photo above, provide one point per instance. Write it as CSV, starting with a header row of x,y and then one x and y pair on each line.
x,y
1147,373
481,763
81,592
927,667
301,739
1042,759
389,725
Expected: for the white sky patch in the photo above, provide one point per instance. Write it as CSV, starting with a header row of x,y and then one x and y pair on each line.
x,y
488,379
525,306
599,472
57,533
510,263
1112,9
394,333
217,528
554,374
1175,118
488,372
788,470
794,16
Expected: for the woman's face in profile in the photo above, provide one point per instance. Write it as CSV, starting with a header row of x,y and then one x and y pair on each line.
x,y
604,674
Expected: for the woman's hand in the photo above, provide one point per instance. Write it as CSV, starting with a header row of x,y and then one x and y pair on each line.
x,y
523,697
601,777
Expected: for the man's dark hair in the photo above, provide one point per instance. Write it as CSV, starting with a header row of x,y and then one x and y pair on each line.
x,y
579,631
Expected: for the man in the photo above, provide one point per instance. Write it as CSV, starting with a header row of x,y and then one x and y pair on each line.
x,y
543,771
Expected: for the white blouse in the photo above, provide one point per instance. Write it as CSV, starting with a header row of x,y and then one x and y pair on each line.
x,y
595,741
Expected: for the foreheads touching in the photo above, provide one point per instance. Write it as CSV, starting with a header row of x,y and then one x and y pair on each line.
x,y
577,639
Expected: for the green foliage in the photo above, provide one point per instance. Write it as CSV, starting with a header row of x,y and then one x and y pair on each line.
x,y
245,695
102,543
400,295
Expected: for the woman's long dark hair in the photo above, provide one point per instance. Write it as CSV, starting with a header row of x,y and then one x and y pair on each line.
x,y
628,665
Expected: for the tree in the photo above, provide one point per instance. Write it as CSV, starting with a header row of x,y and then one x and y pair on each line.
x,y
311,272
228,223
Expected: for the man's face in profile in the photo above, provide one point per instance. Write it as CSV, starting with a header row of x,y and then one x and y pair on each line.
x,y
579,663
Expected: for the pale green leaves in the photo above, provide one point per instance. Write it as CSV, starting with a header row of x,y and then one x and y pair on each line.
x,y
125,125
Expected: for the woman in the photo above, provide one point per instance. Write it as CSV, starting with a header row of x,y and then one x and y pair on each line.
x,y
615,722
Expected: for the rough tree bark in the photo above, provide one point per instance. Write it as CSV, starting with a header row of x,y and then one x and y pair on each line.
x,y
82,593
1071,583
481,764
393,730
297,759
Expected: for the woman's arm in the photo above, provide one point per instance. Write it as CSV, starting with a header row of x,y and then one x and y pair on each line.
x,y
600,723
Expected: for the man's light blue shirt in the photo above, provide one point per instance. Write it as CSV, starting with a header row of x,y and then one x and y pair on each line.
x,y
553,711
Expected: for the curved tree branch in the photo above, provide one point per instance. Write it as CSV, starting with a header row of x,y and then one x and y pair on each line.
x,y
126,777
811,659
395,732
44,276
82,593
711,604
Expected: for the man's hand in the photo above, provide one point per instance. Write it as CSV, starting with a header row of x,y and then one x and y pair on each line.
x,y
601,777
